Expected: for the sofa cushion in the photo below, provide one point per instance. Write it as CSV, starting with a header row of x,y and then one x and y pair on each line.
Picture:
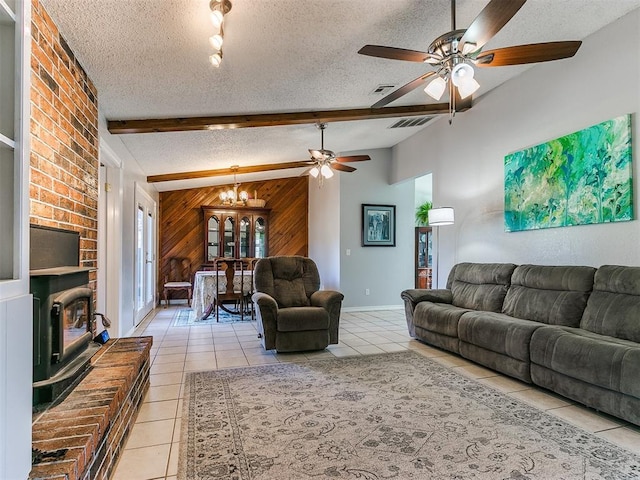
x,y
613,308
556,295
498,332
481,286
601,360
302,318
438,317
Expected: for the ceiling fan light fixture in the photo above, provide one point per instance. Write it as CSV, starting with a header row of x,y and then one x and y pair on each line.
x,y
326,171
468,88
435,89
462,73
314,172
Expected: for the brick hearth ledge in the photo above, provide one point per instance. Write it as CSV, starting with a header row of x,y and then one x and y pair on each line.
x,y
80,438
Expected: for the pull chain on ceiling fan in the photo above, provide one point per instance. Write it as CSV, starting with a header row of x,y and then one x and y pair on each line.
x,y
454,53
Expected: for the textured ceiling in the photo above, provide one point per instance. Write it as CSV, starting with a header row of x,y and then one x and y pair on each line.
x,y
149,59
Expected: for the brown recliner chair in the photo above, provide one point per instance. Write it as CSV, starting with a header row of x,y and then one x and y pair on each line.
x,y
293,314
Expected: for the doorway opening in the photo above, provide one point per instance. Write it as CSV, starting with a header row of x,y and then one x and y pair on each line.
x,y
423,198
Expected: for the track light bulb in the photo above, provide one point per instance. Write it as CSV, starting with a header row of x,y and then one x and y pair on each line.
x,y
216,41
216,59
436,88
216,17
461,74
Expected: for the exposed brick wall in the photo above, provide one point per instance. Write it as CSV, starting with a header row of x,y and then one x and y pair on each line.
x,y
64,139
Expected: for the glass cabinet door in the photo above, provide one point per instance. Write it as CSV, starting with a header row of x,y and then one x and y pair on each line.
x,y
424,257
234,232
260,237
245,234
213,238
229,237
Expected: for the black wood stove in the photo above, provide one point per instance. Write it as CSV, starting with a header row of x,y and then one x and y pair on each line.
x,y
63,318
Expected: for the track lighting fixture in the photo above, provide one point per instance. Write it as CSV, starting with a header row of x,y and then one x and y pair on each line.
x,y
219,8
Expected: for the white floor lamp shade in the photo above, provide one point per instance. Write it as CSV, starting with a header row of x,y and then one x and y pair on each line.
x,y
439,217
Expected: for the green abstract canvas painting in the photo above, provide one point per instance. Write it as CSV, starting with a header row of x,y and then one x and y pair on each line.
x,y
582,178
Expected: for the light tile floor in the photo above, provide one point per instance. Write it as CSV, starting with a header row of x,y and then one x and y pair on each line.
x,y
151,451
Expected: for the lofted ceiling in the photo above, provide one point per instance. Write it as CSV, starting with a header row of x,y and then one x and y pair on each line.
x,y
149,60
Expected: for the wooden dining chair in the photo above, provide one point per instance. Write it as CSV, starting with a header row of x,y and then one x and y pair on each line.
x,y
178,278
230,267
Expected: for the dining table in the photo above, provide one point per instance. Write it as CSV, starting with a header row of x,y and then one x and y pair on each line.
x,y
204,289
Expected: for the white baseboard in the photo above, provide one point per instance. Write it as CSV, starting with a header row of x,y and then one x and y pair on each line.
x,y
370,308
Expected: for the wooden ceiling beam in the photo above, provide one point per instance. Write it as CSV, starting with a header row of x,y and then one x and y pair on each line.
x,y
186,124
167,177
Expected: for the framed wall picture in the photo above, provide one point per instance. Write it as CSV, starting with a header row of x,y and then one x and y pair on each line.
x,y
378,225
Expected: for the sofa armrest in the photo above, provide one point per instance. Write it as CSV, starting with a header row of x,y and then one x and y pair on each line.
x,y
413,296
267,318
417,295
331,301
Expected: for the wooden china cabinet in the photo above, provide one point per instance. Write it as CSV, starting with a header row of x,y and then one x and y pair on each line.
x,y
234,232
424,258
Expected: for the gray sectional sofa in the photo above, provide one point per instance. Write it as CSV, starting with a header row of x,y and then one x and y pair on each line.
x,y
574,330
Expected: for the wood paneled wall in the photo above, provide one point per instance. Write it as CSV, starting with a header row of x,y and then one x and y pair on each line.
x,y
181,219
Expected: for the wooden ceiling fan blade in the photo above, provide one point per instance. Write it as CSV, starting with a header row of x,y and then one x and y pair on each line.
x,y
227,171
342,168
531,53
489,22
353,158
393,53
412,85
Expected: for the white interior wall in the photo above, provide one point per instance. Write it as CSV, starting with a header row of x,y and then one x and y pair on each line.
x,y
385,271
122,215
324,230
545,102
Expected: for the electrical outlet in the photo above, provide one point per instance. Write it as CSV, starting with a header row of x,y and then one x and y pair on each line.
x,y
348,252
367,291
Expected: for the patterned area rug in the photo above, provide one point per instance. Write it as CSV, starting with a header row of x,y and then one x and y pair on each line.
x,y
397,415
185,317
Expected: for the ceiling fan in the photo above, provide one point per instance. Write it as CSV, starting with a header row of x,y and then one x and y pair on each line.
x,y
454,53
324,161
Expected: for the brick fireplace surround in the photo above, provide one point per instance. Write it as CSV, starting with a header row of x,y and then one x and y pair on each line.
x,y
80,438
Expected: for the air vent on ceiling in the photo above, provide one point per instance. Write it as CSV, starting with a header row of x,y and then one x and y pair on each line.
x,y
382,89
411,122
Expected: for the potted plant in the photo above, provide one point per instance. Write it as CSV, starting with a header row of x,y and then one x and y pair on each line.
x,y
422,214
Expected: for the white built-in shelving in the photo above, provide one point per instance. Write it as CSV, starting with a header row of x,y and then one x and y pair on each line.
x,y
10,151
16,332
